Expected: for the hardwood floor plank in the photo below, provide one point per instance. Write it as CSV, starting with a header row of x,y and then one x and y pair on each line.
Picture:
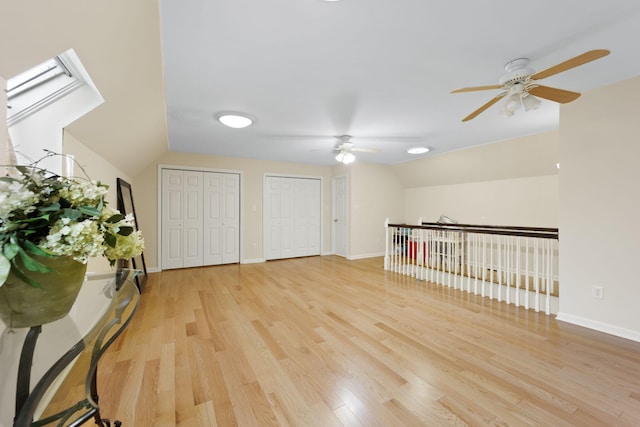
x,y
323,341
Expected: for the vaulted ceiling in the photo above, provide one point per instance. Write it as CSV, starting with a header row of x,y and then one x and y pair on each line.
x,y
310,70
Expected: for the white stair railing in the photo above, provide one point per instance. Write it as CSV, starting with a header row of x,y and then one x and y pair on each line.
x,y
517,265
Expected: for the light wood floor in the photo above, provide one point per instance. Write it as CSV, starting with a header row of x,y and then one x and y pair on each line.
x,y
323,341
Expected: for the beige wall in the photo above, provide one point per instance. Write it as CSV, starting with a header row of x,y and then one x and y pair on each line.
x,y
600,209
511,182
521,201
375,194
145,190
533,155
4,132
97,169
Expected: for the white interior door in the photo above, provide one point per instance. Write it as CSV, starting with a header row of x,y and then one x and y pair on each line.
x,y
340,224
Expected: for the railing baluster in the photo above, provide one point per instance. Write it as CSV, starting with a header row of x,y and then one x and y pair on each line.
x,y
484,263
536,274
527,273
475,264
518,272
469,261
509,267
547,307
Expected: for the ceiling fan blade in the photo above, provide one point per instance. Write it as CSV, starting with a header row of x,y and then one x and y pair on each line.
x,y
586,57
366,150
484,107
551,93
476,88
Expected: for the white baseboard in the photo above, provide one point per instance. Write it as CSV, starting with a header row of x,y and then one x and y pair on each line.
x,y
363,256
600,326
153,270
252,261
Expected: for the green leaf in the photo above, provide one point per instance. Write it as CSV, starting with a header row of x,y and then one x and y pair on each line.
x,y
51,208
31,264
115,218
125,230
5,268
34,249
23,170
35,219
110,239
11,250
89,210
72,214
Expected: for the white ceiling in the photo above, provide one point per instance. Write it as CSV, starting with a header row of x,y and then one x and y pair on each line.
x,y
309,70
379,70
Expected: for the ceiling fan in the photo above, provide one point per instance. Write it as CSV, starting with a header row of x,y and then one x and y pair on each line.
x,y
345,150
520,84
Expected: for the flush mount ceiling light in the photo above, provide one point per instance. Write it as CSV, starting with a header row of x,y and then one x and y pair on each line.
x,y
417,150
345,157
235,120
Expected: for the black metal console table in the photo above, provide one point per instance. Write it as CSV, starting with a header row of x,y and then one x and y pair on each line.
x,y
48,372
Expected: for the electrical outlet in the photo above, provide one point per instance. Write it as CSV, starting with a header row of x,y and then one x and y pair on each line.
x,y
597,292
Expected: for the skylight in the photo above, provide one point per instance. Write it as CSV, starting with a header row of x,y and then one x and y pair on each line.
x,y
39,86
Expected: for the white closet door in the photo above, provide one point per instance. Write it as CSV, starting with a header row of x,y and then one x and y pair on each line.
x,y
287,213
278,217
172,243
200,218
193,218
314,216
213,211
231,219
292,217
307,217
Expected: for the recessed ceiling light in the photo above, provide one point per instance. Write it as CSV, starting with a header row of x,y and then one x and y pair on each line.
x,y
235,120
417,150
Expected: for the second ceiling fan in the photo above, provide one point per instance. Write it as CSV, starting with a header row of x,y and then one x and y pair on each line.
x,y
520,82
345,150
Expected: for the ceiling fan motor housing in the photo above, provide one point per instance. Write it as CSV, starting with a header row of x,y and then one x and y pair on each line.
x,y
517,72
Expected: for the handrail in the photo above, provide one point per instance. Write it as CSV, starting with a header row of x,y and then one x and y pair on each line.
x,y
540,232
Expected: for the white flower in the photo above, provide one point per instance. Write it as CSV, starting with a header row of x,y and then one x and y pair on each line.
x,y
15,195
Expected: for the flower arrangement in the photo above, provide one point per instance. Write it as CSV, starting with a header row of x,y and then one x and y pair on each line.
x,y
43,214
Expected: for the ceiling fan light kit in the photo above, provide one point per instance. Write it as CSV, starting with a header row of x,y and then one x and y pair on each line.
x,y
345,157
520,85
